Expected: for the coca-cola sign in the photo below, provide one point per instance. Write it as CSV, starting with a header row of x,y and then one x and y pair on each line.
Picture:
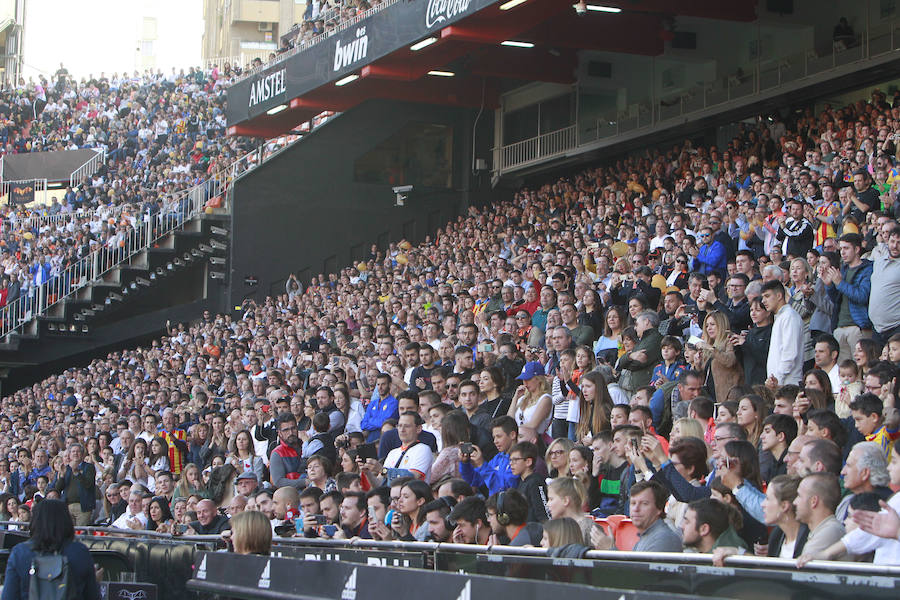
x,y
439,11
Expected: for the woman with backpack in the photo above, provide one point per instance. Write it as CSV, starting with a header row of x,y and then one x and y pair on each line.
x,y
54,556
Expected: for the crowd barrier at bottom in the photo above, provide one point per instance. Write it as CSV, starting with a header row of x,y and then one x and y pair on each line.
x,y
170,562
253,577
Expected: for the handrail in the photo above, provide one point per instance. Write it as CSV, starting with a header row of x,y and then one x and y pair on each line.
x,y
618,555
88,168
303,45
133,238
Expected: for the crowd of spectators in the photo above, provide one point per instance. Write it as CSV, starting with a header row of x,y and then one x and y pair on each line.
x,y
694,349
161,134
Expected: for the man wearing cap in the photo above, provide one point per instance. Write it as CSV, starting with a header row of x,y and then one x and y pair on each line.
x,y
710,256
246,483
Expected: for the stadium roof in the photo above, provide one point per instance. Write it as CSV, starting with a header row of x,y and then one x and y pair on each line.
x,y
381,57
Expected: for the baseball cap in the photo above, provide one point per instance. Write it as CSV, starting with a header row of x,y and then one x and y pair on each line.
x,y
530,370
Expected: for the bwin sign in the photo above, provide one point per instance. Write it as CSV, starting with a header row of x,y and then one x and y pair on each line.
x,y
344,56
267,88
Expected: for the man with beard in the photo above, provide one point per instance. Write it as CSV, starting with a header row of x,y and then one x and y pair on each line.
x,y
286,464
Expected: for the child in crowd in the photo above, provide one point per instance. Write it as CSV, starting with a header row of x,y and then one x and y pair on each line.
x,y
867,411
851,387
671,367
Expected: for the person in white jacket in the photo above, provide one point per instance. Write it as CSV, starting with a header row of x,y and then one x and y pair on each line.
x,y
785,362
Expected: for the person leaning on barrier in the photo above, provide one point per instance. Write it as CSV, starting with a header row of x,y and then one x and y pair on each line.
x,y
251,533
52,531
470,517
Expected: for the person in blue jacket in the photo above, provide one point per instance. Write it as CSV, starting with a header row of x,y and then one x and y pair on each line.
x,y
494,474
382,407
51,531
711,256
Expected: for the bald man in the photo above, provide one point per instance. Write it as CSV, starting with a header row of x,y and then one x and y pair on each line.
x,y
209,521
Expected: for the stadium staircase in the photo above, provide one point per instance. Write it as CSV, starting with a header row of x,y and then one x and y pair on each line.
x,y
176,258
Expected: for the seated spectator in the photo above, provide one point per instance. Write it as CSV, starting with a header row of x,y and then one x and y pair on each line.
x,y
208,522
522,458
507,514
472,527
817,498
866,471
437,513
496,474
707,526
251,533
648,503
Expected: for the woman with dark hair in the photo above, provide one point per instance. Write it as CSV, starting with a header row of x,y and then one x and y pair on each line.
x,y
609,346
491,383
754,343
409,522
455,430
52,531
865,354
688,456
159,515
739,465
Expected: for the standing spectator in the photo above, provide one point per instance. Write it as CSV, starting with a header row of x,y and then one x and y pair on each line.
x,y
711,256
785,362
77,484
849,289
382,406
795,231
646,353
884,307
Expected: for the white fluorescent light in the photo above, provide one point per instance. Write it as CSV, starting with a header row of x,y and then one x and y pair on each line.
x,y
442,73
277,109
511,4
606,9
517,44
423,44
346,80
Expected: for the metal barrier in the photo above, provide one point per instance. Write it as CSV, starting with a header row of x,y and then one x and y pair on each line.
x,y
88,168
168,561
252,577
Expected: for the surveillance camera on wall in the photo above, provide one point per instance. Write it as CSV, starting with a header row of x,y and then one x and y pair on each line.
x,y
402,194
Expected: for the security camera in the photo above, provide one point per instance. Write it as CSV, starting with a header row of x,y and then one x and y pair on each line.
x,y
580,8
402,194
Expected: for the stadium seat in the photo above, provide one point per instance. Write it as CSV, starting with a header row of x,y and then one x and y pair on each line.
x,y
626,535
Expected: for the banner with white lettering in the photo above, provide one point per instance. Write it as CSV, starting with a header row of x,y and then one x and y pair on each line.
x,y
344,53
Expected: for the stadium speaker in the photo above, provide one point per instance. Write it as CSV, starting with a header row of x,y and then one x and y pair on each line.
x,y
684,40
600,69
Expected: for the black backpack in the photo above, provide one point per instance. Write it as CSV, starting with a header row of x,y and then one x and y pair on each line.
x,y
49,578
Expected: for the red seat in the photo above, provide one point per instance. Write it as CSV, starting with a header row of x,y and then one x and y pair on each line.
x,y
626,535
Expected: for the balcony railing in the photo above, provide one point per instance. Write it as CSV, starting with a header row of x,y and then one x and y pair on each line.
x,y
746,83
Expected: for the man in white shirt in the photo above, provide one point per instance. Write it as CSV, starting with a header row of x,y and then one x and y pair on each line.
x,y
785,362
412,455
133,517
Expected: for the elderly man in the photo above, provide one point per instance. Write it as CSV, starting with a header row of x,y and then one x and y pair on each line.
x,y
646,353
134,516
77,484
866,470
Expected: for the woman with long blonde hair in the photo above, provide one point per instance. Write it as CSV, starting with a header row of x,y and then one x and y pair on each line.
x,y
718,350
532,405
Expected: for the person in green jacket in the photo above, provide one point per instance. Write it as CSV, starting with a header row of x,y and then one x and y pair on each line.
x,y
646,353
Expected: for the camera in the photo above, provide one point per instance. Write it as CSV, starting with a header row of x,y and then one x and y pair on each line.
x,y
402,192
